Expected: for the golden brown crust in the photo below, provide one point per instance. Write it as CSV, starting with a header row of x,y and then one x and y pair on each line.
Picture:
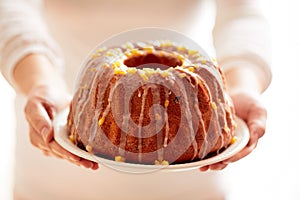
x,y
177,113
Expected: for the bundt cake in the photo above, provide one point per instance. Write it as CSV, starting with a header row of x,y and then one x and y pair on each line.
x,y
151,103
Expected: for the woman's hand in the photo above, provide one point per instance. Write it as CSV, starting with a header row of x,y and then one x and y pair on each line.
x,y
249,108
44,102
42,84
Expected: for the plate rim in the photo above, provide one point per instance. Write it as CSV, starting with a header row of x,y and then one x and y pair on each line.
x,y
60,135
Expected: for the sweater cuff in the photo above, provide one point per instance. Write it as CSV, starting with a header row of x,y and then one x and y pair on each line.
x,y
22,52
261,68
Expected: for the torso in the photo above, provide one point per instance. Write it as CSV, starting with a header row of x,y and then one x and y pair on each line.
x,y
79,26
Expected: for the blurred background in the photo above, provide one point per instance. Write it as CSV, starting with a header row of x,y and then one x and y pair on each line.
x,y
272,170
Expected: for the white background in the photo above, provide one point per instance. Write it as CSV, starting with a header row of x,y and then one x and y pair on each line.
x,y
272,171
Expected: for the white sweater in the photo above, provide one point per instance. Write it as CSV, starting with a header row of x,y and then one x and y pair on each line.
x,y
241,35
240,38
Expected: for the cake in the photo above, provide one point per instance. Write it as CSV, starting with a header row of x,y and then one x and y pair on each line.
x,y
153,102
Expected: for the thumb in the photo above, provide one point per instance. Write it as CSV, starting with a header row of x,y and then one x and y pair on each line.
x,y
38,117
257,119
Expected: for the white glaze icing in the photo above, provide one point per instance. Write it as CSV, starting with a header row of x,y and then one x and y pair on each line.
x,y
192,65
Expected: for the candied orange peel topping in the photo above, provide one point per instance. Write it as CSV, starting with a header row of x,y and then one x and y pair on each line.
x,y
120,159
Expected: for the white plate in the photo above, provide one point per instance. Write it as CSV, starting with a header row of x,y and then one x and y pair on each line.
x,y
61,136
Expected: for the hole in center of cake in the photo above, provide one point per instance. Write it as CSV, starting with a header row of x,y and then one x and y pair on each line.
x,y
162,60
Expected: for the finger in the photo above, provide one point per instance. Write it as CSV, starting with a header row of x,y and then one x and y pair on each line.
x,y
86,163
204,169
256,121
46,153
54,149
218,166
39,119
43,147
247,150
95,166
57,149
37,140
75,162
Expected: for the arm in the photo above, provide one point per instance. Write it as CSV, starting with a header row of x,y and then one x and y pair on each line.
x,y
31,62
23,32
242,41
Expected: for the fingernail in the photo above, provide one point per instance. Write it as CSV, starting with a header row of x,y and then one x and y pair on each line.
x,y
226,162
90,166
95,167
45,133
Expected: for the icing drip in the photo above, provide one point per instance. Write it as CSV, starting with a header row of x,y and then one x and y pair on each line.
x,y
113,86
219,129
158,121
221,111
94,126
204,147
83,101
188,117
202,151
125,125
217,107
165,144
201,121
141,118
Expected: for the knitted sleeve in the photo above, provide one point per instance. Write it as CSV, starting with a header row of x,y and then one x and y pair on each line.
x,y
23,32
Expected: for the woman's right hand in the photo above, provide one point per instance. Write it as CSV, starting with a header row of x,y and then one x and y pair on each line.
x,y
43,103
42,84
